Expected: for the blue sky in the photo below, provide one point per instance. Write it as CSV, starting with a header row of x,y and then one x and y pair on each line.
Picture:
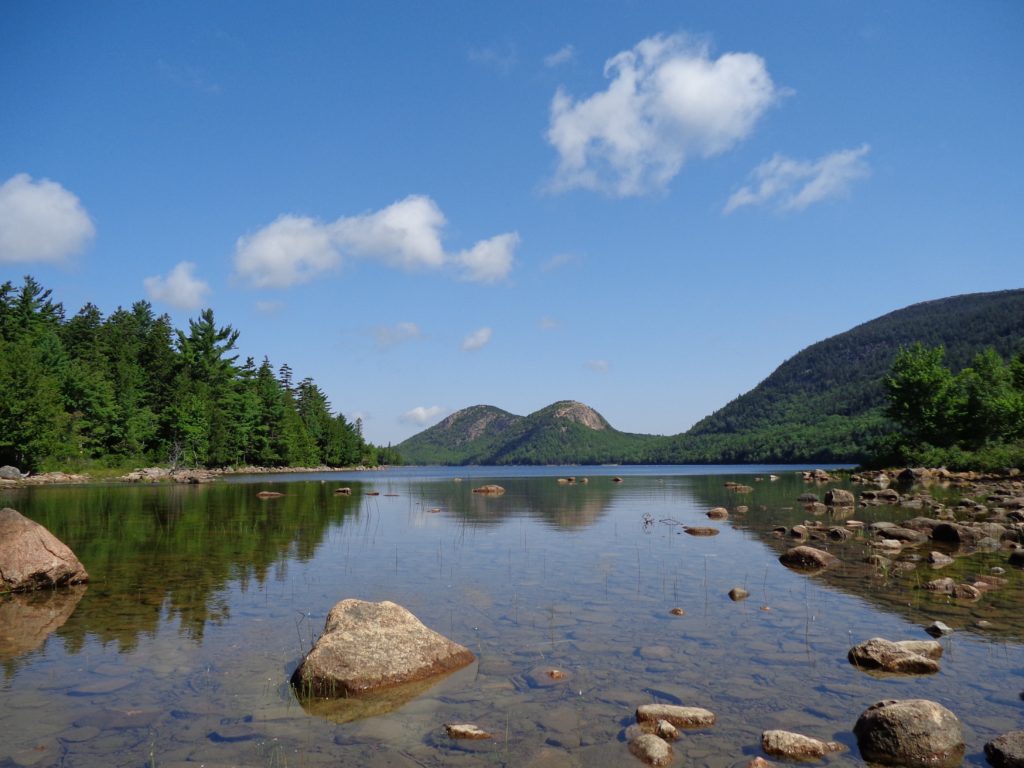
x,y
645,206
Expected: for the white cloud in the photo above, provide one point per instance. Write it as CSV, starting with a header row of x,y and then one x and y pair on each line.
x,y
405,235
40,221
422,414
391,335
478,339
489,260
180,288
549,323
564,54
667,100
792,185
598,366
289,251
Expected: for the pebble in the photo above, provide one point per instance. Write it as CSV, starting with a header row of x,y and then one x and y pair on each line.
x,y
938,629
466,731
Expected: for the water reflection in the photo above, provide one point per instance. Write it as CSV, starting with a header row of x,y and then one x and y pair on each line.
x,y
28,618
204,599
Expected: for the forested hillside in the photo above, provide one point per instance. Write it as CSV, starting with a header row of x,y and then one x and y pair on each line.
x,y
565,432
827,403
130,389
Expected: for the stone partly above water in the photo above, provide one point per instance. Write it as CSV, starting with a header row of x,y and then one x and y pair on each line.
x,y
916,733
906,657
805,558
1006,751
796,746
368,647
33,558
682,717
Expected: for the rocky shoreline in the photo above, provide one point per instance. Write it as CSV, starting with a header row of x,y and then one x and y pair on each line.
x,y
11,477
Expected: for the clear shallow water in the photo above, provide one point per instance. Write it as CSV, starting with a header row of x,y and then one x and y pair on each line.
x,y
204,598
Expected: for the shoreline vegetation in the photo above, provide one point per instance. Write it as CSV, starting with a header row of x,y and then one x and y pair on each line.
x,y
94,397
179,475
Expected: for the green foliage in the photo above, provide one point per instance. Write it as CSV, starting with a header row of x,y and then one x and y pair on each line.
x,y
130,389
828,402
972,419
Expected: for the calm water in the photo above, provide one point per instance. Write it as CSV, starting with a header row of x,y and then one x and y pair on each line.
x,y
204,599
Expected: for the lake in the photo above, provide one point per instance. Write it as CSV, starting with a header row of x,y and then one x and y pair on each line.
x,y
204,599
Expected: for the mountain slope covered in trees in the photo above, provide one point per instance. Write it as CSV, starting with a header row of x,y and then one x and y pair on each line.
x,y
130,389
565,432
827,403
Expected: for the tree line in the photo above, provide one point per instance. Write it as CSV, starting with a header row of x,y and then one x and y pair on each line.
x,y
972,419
129,388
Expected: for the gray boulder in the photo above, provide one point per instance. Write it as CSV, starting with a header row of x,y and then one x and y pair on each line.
x,y
916,733
7,472
33,558
906,657
808,559
368,647
838,497
796,746
681,717
1006,751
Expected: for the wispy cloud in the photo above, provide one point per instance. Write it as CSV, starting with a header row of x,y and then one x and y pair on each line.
x,y
180,288
668,99
558,261
392,335
792,185
41,221
478,339
187,77
406,235
549,324
421,415
503,58
598,366
269,307
563,55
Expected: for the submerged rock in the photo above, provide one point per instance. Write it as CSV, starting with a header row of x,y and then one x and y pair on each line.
x,y
718,513
738,593
33,558
906,657
489,490
913,732
367,647
796,746
699,531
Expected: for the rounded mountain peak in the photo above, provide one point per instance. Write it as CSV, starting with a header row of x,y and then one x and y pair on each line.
x,y
571,410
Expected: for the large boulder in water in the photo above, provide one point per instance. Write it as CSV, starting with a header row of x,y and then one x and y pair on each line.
x,y
1006,751
367,647
808,559
916,733
33,558
906,657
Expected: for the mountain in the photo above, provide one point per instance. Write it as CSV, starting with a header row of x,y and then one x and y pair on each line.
x,y
565,432
826,403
